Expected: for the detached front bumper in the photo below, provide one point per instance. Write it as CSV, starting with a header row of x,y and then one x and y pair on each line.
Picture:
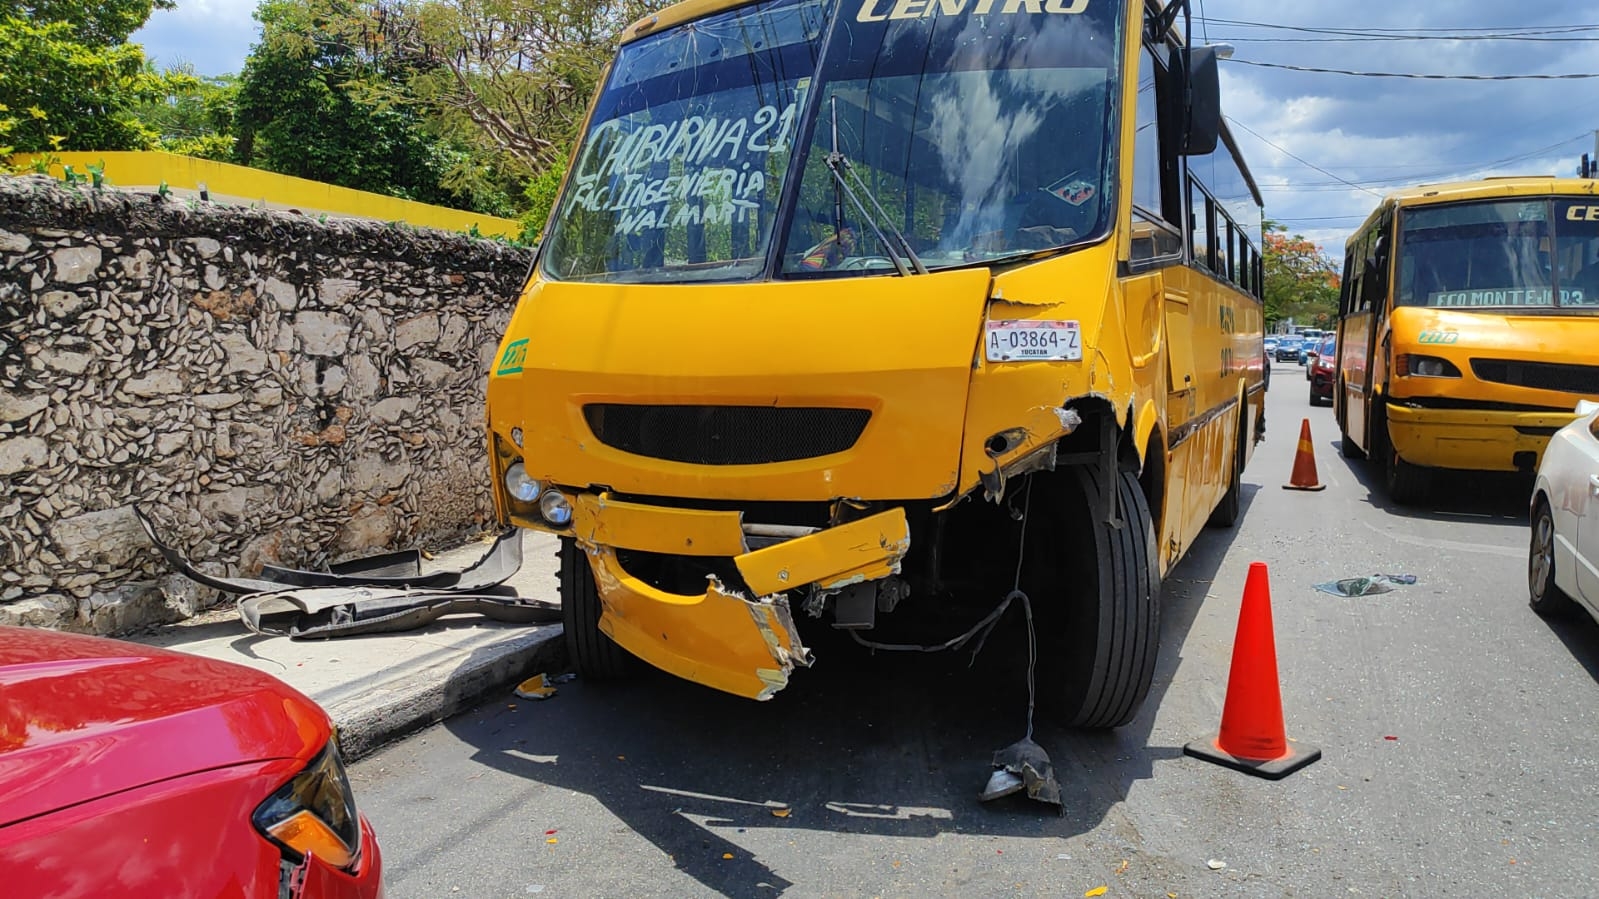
x,y
1474,439
745,645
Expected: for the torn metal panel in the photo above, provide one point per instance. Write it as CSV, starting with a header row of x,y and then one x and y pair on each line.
x,y
323,612
494,567
747,647
602,521
187,569
860,550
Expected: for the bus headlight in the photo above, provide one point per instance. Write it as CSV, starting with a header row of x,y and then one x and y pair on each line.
x,y
556,509
1425,367
521,487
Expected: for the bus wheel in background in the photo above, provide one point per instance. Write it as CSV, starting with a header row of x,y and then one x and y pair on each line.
x,y
1225,515
1095,592
593,654
1407,484
1546,599
1348,448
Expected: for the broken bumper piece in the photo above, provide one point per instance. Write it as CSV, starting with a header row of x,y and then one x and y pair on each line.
x,y
721,639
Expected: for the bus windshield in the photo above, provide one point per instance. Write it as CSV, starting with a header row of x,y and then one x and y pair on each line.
x,y
978,129
1521,253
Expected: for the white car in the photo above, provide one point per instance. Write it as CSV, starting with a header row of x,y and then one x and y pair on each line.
x,y
1563,562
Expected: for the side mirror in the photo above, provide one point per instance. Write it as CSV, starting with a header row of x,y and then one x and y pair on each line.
x,y
1198,82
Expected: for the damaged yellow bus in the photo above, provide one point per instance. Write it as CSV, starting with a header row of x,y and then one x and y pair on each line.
x,y
872,314
1469,326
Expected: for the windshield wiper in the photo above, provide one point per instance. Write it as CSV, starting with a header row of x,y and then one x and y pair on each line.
x,y
839,165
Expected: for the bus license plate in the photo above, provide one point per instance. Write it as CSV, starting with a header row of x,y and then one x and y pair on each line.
x,y
1027,341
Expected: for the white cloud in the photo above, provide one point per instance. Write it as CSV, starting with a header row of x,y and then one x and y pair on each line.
x,y
212,35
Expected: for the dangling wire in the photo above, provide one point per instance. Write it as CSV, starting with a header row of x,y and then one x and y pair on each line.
x,y
983,628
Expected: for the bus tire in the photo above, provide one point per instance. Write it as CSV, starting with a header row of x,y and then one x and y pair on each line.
x,y
1406,482
1103,603
1544,596
593,654
1348,448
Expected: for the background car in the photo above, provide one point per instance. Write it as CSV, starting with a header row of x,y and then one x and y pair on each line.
x,y
1563,557
1288,349
1322,370
139,772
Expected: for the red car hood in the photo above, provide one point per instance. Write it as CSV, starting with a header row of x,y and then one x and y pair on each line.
x,y
84,717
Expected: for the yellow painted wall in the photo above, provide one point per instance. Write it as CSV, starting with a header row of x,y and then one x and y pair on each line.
x,y
245,186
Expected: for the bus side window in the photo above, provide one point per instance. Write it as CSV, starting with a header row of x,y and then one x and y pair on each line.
x,y
1153,237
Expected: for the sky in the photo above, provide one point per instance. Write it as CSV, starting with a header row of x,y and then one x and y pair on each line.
x,y
1323,147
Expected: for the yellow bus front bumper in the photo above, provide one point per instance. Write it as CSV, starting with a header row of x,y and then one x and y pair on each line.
x,y
719,638
1477,440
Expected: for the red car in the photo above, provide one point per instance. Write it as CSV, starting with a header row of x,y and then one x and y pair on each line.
x,y
1323,370
137,772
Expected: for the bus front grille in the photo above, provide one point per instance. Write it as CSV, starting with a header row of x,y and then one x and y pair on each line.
x,y
725,435
1538,375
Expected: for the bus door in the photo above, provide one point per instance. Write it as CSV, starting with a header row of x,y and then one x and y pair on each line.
x,y
1363,303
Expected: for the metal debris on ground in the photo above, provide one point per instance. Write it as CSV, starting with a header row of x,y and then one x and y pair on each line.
x,y
535,687
1366,586
384,593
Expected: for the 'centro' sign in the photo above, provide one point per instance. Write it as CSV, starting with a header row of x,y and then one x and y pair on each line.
x,y
879,10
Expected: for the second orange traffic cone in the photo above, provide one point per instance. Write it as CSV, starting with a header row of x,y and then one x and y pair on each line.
x,y
1304,476
1252,739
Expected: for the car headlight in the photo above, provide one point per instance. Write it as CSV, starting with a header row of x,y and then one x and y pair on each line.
x,y
521,487
314,814
556,509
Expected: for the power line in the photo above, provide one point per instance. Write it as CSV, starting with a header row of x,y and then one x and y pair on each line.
x,y
1427,77
1306,162
1484,29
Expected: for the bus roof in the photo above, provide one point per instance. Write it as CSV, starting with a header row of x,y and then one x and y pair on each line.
x,y
689,10
1480,189
677,14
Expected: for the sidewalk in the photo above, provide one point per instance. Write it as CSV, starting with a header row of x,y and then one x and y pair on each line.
x,y
381,687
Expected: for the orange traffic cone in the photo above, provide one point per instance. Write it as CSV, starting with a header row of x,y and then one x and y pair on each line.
x,y
1304,476
1252,739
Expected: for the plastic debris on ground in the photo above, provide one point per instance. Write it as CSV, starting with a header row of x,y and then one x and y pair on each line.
x,y
1366,586
535,687
1097,891
1216,864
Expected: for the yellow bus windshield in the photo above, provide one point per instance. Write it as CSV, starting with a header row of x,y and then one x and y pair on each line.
x,y
1522,253
962,131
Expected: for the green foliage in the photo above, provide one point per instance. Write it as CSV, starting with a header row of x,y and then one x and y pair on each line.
x,y
97,23
542,191
68,93
314,104
193,116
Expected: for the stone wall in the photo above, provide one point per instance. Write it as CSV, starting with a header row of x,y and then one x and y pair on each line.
x,y
267,387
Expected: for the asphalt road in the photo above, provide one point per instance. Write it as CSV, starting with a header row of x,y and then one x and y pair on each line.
x,y
1460,735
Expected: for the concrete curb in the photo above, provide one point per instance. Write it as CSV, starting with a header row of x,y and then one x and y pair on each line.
x,y
368,721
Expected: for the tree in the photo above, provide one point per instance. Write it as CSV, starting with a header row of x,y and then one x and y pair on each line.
x,y
308,105
510,77
96,23
62,92
194,115
1301,283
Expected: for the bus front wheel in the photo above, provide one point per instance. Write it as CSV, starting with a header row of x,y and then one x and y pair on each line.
x,y
1406,482
593,654
1096,592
